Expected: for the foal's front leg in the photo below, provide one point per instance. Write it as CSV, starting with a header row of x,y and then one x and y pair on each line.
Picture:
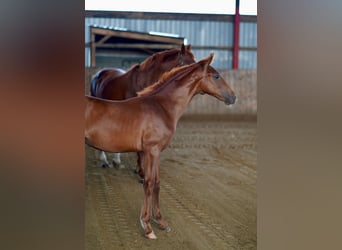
x,y
156,215
149,179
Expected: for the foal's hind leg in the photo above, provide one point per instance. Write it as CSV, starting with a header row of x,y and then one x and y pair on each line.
x,y
139,168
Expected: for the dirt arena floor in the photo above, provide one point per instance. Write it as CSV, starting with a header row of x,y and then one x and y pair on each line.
x,y
208,191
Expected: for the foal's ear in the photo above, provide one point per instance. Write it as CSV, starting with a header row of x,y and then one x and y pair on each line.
x,y
188,47
208,61
210,58
183,49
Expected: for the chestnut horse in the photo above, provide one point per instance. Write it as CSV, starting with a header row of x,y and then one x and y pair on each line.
x,y
116,84
146,124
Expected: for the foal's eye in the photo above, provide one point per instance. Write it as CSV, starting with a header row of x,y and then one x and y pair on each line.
x,y
217,76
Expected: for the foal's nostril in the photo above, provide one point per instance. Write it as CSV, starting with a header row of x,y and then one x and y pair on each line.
x,y
230,100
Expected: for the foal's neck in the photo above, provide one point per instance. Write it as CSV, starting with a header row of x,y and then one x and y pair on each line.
x,y
176,96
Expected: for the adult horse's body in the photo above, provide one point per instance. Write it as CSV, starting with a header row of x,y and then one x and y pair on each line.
x,y
146,123
115,84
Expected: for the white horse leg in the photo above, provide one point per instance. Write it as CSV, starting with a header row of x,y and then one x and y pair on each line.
x,y
104,160
117,160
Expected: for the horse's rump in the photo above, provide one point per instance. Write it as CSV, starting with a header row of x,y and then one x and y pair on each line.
x,y
102,76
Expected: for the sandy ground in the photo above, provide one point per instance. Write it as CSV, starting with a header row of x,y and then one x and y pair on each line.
x,y
208,192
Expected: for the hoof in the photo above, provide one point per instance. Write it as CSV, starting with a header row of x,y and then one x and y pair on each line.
x,y
106,165
167,228
119,166
151,236
141,181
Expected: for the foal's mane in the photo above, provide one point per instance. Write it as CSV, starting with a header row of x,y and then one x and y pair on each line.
x,y
170,76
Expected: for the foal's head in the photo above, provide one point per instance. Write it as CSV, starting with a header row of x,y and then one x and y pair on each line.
x,y
213,83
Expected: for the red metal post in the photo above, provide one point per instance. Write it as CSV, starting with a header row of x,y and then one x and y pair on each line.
x,y
236,35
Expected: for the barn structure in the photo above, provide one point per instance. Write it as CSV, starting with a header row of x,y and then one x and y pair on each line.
x,y
119,47
121,39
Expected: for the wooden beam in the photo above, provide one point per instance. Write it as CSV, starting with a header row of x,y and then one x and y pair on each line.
x,y
168,16
123,52
93,51
138,46
222,47
166,46
105,38
136,35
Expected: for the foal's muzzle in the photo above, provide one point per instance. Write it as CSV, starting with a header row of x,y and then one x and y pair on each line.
x,y
230,100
